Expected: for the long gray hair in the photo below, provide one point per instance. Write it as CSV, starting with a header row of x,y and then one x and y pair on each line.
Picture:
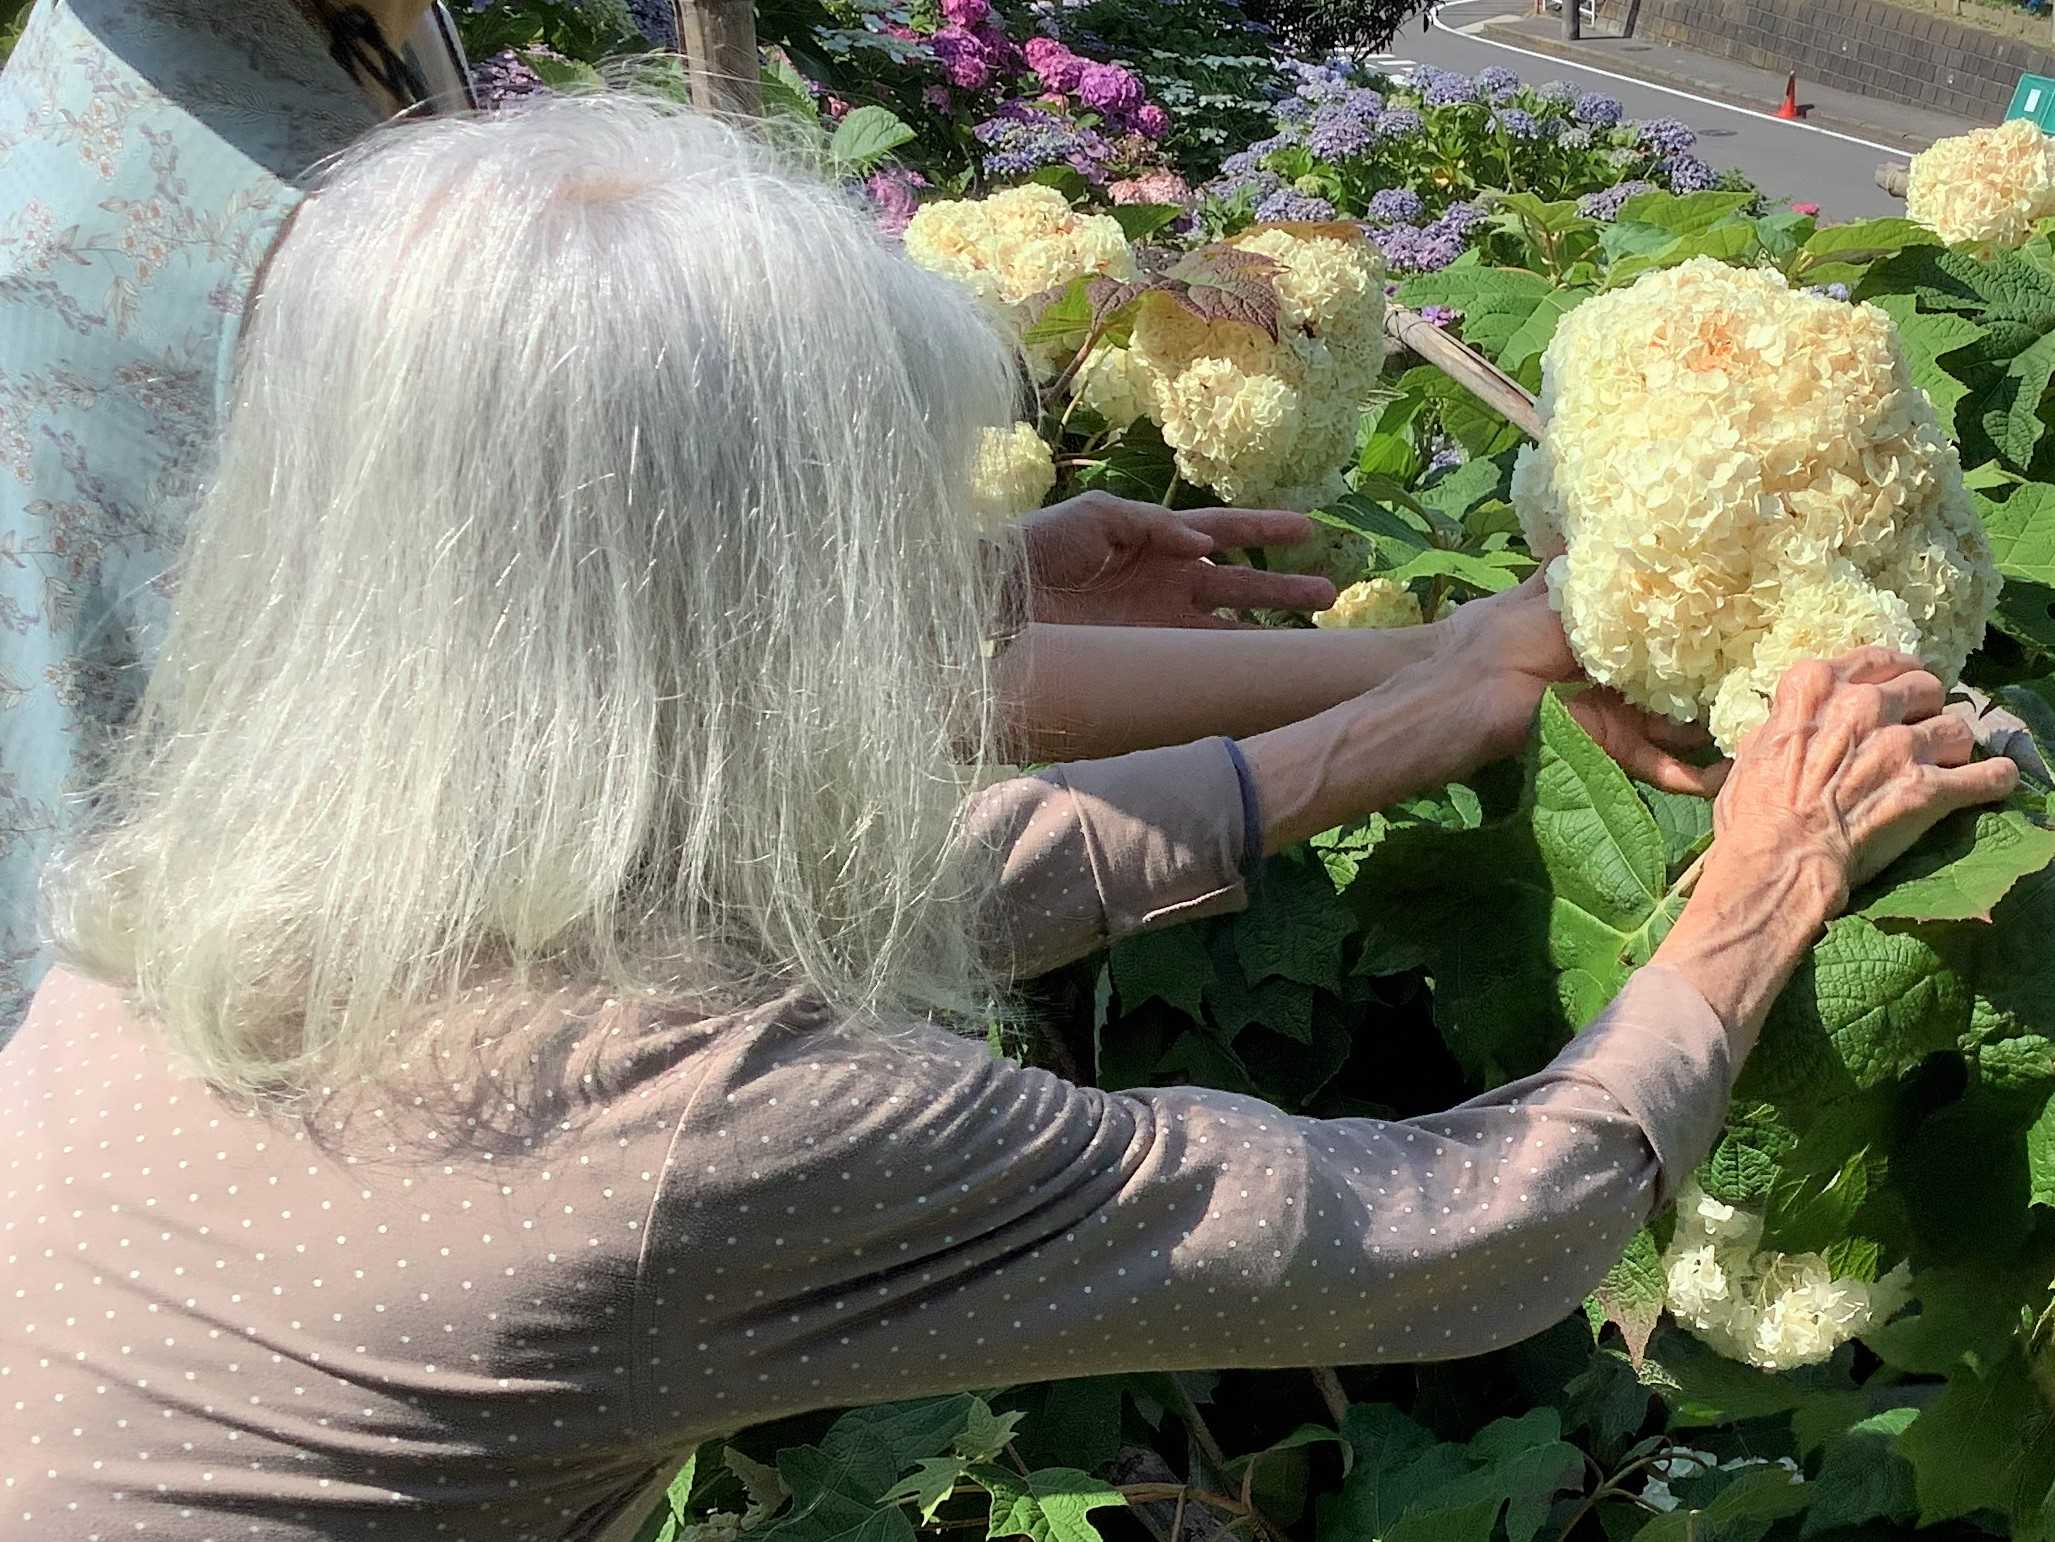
x,y
585,580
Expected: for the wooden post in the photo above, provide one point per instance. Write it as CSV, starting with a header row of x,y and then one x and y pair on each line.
x,y
1465,365
719,38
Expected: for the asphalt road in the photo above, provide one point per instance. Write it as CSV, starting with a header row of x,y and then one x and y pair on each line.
x,y
1785,159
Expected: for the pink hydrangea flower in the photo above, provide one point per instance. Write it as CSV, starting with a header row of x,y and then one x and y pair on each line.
x,y
1109,89
1159,186
835,107
966,13
965,58
1805,208
895,196
938,97
1057,66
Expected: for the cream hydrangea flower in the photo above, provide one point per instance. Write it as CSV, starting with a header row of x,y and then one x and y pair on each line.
x,y
1262,422
1013,474
1990,184
1774,1310
1113,385
1375,602
1738,476
1016,244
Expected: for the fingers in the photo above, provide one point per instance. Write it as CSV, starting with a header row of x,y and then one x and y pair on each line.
x,y
1872,666
1150,525
1660,769
1232,529
1239,588
1943,740
1982,781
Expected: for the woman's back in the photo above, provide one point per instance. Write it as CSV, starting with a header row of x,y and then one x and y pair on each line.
x,y
420,1297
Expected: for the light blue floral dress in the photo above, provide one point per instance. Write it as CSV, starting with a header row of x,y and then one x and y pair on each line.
x,y
149,150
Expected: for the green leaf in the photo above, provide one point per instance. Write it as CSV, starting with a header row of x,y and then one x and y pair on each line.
x,y
760,1481
1701,1387
1139,221
1809,1212
1385,1476
1988,1444
984,1434
1532,336
1297,932
1490,575
933,1480
1597,838
665,1521
1169,966
1743,1166
866,137
2022,530
1865,1006
1686,822
1926,337
1968,1315
1864,240
2040,1156
1053,1504
1863,1478
1962,869
835,1498
1495,302
1687,214
1631,1294
877,1444
1225,283
2012,406
1756,1494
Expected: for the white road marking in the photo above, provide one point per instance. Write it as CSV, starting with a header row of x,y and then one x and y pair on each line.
x,y
1473,33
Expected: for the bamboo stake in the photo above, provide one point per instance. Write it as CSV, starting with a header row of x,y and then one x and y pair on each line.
x,y
719,38
1891,177
1464,365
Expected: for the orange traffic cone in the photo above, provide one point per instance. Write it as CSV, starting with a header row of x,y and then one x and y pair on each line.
x,y
1788,108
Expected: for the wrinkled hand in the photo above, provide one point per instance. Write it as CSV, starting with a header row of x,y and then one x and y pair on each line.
x,y
1512,645
1097,560
1856,762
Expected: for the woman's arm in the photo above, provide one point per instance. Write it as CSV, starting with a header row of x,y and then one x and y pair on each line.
x,y
1081,692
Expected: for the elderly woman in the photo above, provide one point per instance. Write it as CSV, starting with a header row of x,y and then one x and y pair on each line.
x,y
504,1033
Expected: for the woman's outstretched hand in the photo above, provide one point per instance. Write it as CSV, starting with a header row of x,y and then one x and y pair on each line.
x,y
1512,646
1856,762
1098,560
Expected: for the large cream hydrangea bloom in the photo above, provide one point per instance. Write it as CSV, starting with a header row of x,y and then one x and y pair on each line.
x,y
1991,184
1013,473
1740,476
1016,244
1372,602
1268,423
1774,1310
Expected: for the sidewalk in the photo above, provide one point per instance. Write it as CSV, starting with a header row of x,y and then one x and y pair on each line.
x,y
1721,80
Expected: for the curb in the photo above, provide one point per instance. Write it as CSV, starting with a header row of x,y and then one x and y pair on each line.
x,y
1555,48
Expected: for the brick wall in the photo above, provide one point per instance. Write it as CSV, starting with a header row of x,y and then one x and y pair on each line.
x,y
1867,46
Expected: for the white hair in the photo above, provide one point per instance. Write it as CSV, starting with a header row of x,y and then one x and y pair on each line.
x,y
585,580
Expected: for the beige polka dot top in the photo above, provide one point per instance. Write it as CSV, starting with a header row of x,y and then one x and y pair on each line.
x,y
495,1292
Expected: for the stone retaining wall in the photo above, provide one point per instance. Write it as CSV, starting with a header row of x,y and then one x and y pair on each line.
x,y
1866,46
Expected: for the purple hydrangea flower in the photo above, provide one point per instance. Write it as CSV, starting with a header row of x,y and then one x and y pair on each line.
x,y
1150,121
1109,89
1394,206
1688,174
1447,458
894,195
1497,82
504,77
1829,291
1021,139
965,58
1440,315
1409,249
1249,159
1575,137
1607,203
1338,138
1448,89
1399,123
1623,156
1667,136
1595,109
1518,123
1288,203
968,14
1459,219
1555,93
656,20
1254,185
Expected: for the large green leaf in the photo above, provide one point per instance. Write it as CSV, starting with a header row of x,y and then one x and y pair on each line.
x,y
2040,1156
1597,839
1962,869
1684,214
866,137
1170,965
1495,302
1987,1445
2012,403
1631,1294
1927,337
1863,240
1865,1006
1053,1504
1297,932
1757,1494
1863,1478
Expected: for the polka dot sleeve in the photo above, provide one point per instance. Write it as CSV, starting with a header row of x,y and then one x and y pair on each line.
x,y
853,1217
1102,849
